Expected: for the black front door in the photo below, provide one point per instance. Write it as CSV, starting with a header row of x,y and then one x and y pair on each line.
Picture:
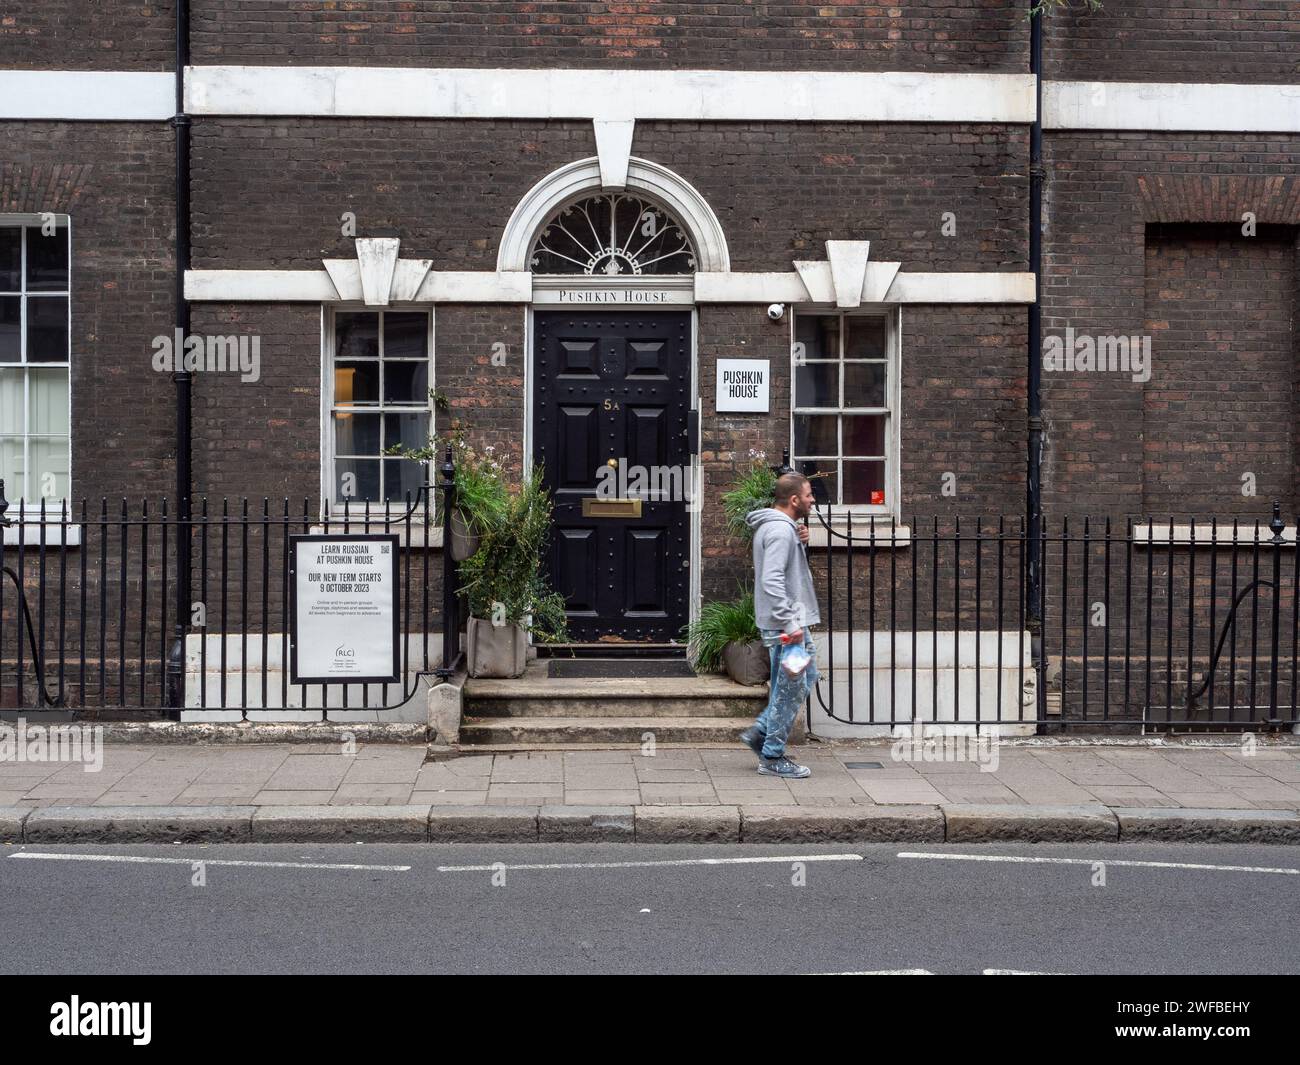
x,y
611,396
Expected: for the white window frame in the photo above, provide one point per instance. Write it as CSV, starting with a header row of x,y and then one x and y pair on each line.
x,y
357,510
42,509
889,511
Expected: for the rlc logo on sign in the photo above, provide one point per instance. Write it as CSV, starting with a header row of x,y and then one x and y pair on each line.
x,y
744,384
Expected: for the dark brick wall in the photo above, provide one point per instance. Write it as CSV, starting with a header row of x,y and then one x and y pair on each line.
x,y
488,400
981,35
116,183
1103,192
269,193
962,411
731,443
88,34
1220,402
1174,40
260,438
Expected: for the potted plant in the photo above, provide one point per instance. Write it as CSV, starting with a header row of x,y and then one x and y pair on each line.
x,y
725,637
480,495
503,581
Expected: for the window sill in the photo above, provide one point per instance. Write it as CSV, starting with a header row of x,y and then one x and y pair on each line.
x,y
30,534
887,536
420,535
1164,534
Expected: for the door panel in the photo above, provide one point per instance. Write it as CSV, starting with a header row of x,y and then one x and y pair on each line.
x,y
610,404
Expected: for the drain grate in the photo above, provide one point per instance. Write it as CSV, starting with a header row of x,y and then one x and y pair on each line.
x,y
863,765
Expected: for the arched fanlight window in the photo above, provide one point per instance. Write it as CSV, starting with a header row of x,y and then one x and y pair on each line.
x,y
613,234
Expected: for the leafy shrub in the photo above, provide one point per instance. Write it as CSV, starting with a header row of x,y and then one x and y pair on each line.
x,y
719,624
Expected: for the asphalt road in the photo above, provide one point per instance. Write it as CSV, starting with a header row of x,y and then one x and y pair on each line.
x,y
417,909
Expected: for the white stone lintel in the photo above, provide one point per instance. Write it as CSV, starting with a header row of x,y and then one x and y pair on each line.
x,y
341,282
811,283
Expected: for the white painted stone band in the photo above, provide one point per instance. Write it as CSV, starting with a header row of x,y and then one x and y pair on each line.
x,y
1171,106
616,95
87,95
315,286
621,96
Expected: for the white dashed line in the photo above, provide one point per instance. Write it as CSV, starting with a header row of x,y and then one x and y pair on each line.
x,y
130,858
1104,861
775,860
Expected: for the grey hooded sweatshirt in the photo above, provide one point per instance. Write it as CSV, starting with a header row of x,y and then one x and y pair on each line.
x,y
784,597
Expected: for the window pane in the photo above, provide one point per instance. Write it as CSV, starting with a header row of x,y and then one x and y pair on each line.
x,y
10,335
11,259
819,334
864,338
409,430
47,329
402,476
864,384
48,399
356,383
406,382
814,434
817,384
406,335
356,481
356,434
864,482
864,434
356,336
49,475
47,260
11,468
821,472
11,402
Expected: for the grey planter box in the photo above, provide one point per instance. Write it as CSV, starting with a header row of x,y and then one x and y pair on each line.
x,y
747,663
495,651
464,541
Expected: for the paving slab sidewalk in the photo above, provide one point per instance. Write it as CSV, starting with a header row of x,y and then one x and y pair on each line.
x,y
295,792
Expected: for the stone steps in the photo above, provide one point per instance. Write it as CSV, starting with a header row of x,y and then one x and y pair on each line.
x,y
536,710
531,732
622,706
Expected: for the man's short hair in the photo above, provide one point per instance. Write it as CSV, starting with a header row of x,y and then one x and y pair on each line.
x,y
787,485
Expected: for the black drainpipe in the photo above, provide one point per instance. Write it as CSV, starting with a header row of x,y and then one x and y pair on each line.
x,y
1034,500
181,123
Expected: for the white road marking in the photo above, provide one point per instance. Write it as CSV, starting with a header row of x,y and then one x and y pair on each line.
x,y
1018,972
1104,861
777,860
203,861
882,972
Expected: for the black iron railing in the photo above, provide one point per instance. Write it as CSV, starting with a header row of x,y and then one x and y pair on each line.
x,y
87,594
1151,624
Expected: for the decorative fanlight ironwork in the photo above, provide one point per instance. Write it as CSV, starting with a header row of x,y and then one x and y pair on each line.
x,y
614,234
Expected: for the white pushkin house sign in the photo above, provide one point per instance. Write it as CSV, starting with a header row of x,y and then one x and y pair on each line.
x,y
743,385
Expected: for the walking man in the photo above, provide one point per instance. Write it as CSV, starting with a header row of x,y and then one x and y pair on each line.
x,y
785,605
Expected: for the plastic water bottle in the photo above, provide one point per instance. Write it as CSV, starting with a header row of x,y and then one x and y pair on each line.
x,y
795,660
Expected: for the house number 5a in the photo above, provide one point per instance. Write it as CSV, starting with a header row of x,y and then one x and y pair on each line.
x,y
611,404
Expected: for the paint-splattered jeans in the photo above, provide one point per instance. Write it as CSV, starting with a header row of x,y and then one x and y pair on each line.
x,y
786,693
